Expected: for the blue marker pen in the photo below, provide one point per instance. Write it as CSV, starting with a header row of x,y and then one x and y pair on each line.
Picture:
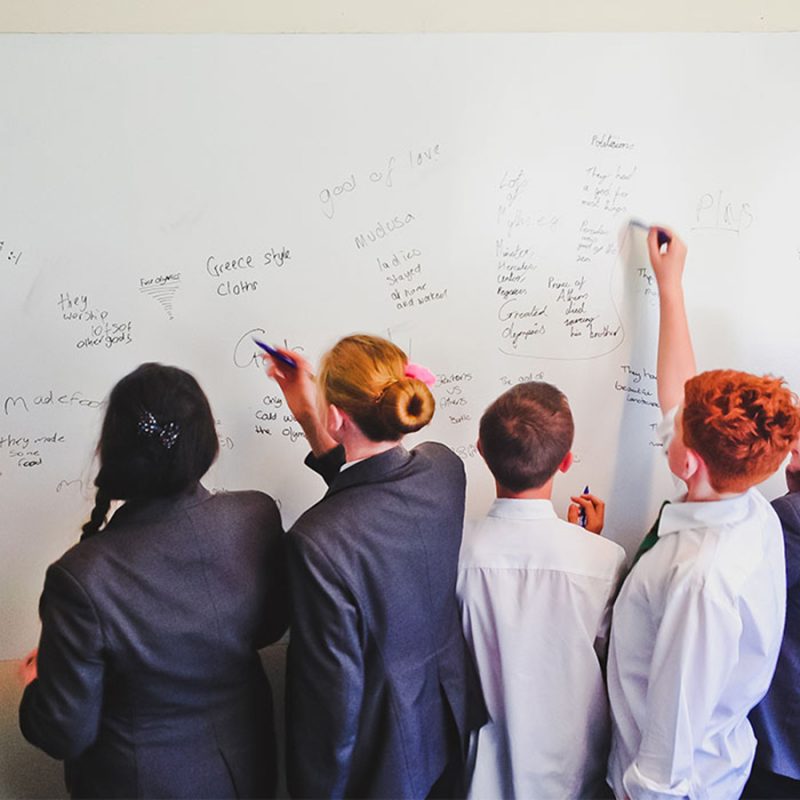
x,y
290,362
663,236
582,517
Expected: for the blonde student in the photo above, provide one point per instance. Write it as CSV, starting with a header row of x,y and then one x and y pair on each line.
x,y
698,622
381,692
536,595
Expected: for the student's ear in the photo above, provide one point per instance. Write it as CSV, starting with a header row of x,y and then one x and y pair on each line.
x,y
566,462
480,447
692,466
334,421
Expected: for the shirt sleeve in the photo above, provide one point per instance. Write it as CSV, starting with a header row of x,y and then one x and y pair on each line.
x,y
60,710
325,675
696,648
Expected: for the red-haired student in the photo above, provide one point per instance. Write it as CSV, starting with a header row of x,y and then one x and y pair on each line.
x,y
697,625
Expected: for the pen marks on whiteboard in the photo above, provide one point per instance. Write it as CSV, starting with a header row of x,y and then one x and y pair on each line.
x,y
27,451
410,286
162,288
574,315
236,274
639,388
247,354
335,196
9,256
716,212
102,331
453,397
69,486
382,229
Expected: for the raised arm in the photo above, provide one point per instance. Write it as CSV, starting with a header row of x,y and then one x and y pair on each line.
x,y
676,362
300,392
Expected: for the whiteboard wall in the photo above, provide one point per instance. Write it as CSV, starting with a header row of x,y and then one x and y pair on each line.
x,y
163,198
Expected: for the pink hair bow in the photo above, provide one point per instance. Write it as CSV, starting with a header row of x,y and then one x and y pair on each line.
x,y
420,373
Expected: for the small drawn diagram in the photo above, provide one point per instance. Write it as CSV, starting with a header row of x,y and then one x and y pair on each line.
x,y
162,288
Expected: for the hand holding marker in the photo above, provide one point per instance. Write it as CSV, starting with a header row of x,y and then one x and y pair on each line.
x,y
582,514
276,354
588,511
663,237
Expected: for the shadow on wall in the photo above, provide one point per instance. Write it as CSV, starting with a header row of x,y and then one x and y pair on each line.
x,y
26,772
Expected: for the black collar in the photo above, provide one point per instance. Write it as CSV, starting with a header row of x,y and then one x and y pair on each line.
x,y
371,470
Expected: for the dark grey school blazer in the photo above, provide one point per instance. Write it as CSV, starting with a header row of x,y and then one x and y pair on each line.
x,y
776,720
149,681
381,691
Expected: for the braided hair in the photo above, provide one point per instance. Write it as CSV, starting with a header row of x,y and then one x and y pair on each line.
x,y
158,438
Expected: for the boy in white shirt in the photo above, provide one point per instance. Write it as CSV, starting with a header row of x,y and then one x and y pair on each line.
x,y
698,622
536,595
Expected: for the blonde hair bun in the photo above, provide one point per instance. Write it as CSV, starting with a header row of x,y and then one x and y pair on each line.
x,y
364,376
406,405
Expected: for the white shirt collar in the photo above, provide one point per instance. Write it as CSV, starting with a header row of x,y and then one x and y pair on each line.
x,y
522,508
680,516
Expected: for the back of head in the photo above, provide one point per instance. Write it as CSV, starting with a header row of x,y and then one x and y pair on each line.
x,y
365,377
741,425
525,435
158,438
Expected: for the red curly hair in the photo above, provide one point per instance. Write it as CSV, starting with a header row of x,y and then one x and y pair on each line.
x,y
741,425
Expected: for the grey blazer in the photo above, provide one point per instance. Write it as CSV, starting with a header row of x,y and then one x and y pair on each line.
x,y
381,691
776,720
149,681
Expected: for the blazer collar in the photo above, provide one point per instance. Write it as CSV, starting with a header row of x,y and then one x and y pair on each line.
x,y
143,510
370,470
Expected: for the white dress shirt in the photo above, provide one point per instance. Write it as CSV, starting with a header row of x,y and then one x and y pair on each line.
x,y
536,594
696,634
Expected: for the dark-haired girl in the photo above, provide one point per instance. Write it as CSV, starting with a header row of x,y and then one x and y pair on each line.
x,y
381,694
149,683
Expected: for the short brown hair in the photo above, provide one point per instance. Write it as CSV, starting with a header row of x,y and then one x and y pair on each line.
x,y
741,425
365,377
525,435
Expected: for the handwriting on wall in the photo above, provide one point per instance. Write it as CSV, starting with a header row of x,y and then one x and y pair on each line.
x,y
566,313
386,175
241,274
722,212
29,432
98,328
162,288
10,255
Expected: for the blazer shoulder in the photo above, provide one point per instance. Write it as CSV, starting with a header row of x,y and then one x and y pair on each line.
x,y
440,455
245,500
787,508
81,560
241,513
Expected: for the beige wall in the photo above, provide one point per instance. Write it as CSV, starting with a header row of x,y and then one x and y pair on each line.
x,y
408,15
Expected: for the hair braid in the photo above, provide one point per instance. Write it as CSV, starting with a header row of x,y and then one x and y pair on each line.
x,y
102,503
